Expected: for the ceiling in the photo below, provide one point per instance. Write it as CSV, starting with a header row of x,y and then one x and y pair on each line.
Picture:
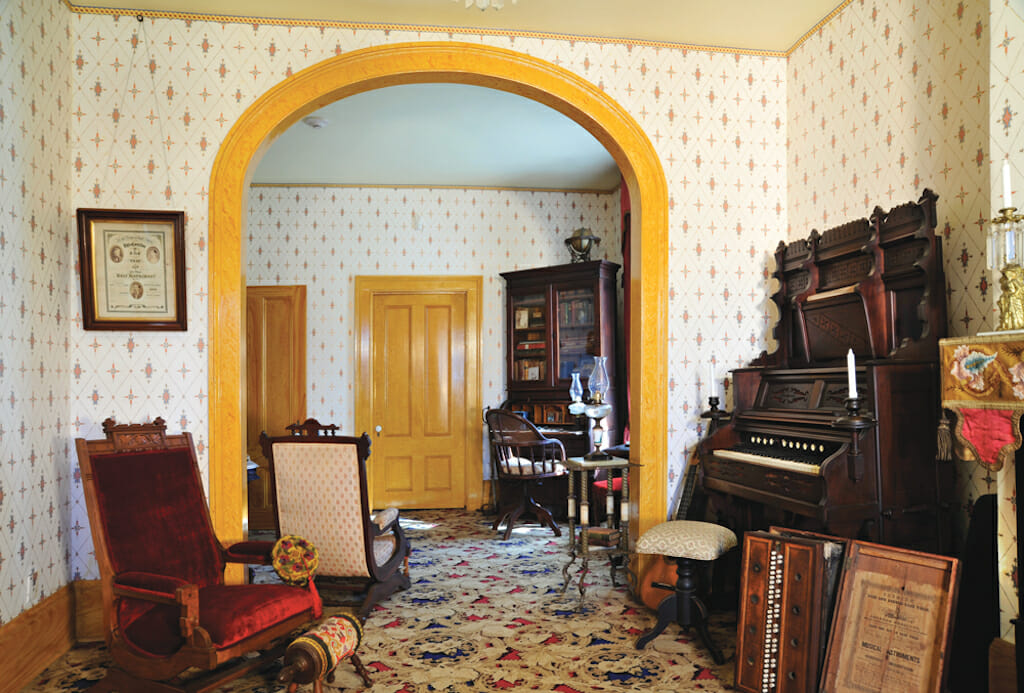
x,y
761,25
438,134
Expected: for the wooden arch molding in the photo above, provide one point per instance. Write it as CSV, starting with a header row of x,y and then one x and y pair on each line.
x,y
407,63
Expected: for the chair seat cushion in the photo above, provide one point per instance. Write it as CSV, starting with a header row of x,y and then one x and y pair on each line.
x,y
699,541
229,613
523,466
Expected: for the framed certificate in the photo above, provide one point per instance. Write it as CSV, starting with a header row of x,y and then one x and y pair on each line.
x,y
132,265
893,623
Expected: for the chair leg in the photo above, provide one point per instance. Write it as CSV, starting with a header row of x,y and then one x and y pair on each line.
x,y
667,612
512,517
379,591
544,517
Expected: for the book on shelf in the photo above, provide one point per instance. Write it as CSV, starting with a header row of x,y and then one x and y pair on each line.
x,y
529,345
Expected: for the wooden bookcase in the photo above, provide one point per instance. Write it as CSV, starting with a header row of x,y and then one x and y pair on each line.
x,y
558,319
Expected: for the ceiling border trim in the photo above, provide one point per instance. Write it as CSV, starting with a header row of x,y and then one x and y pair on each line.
x,y
818,27
424,186
429,28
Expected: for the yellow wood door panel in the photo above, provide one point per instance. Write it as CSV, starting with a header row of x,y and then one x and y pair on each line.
x,y
275,348
419,383
422,399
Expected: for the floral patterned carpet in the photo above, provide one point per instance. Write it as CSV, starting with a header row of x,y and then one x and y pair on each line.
x,y
488,615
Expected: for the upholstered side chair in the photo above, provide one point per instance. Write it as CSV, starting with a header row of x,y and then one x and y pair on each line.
x,y
171,624
320,489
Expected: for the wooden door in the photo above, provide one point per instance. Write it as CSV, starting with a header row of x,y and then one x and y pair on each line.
x,y
275,379
419,390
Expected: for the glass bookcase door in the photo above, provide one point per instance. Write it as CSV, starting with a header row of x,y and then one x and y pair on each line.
x,y
529,338
577,332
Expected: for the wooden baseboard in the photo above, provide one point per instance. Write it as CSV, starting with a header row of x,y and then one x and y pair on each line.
x,y
88,611
35,638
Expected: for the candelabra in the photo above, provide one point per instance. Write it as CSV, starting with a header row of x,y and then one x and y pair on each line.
x,y
1005,246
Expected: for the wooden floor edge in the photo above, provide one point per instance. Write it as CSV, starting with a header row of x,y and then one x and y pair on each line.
x,y
37,637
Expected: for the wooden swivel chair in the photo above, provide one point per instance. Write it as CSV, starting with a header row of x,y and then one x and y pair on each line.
x,y
522,458
166,608
319,482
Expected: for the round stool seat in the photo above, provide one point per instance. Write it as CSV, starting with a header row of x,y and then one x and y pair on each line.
x,y
698,541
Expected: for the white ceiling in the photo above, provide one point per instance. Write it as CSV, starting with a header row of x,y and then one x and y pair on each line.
x,y
437,135
440,135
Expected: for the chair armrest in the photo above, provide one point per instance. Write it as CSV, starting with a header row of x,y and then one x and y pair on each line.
x,y
385,520
250,552
150,587
164,589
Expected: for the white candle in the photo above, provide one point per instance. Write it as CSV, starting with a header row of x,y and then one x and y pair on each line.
x,y
711,380
1007,201
851,374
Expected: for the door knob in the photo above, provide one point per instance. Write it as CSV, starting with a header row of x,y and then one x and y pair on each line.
x,y
378,428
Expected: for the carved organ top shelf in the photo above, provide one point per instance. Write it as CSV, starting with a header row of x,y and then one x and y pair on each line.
x,y
874,285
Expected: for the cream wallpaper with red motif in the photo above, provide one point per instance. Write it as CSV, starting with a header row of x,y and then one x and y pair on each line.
x,y
154,99
100,110
889,99
37,256
325,237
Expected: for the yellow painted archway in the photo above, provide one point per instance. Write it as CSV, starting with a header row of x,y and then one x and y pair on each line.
x,y
407,63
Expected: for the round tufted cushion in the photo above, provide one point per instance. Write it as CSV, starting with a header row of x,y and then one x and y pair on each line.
x,y
699,541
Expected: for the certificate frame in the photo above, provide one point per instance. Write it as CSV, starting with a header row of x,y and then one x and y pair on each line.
x,y
132,266
893,624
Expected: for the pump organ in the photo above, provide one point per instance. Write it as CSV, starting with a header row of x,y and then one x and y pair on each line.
x,y
789,453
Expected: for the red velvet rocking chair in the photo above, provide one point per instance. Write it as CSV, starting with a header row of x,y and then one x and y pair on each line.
x,y
166,608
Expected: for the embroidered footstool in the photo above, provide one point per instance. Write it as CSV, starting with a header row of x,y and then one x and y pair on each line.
x,y
313,656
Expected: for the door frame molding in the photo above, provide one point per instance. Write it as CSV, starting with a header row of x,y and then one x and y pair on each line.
x,y
366,287
426,62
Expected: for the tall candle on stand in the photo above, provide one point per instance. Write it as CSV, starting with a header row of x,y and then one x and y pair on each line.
x,y
711,379
851,374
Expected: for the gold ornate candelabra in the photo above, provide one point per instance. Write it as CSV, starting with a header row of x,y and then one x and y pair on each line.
x,y
1005,248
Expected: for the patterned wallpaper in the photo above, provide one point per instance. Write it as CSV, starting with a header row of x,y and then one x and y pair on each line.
x,y
885,101
154,99
105,111
325,237
36,272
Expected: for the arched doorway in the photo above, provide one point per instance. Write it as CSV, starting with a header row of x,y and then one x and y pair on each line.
x,y
382,66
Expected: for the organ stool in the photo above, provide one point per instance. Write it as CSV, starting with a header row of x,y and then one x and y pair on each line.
x,y
687,542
